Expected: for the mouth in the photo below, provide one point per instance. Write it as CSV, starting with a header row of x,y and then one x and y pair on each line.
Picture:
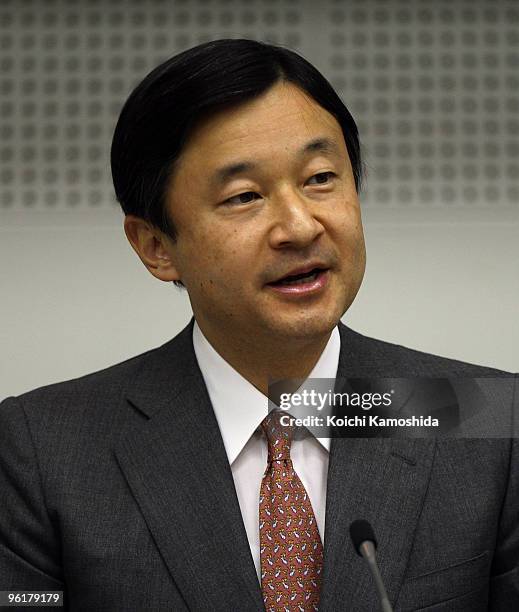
x,y
303,283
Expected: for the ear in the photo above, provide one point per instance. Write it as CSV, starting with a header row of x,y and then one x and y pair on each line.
x,y
153,247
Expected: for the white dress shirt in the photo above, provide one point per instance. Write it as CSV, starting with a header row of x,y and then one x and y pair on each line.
x,y
239,408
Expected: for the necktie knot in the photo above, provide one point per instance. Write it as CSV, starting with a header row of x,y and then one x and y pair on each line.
x,y
279,436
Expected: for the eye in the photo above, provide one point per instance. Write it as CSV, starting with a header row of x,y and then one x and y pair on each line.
x,y
323,174
240,195
253,193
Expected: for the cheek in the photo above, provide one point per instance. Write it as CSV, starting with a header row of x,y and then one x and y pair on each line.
x,y
349,240
216,257
348,231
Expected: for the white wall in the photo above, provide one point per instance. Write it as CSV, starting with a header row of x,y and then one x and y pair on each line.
x,y
76,299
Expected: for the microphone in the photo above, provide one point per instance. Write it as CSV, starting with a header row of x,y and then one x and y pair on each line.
x,y
365,543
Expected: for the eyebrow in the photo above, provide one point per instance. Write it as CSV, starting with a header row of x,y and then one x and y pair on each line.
x,y
320,145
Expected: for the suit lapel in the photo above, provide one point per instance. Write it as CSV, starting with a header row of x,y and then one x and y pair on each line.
x,y
175,463
381,480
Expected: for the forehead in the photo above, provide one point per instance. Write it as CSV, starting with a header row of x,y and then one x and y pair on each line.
x,y
282,119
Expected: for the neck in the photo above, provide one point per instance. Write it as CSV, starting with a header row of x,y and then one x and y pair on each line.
x,y
259,361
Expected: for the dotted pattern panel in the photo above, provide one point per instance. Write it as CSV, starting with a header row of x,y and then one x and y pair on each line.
x,y
433,87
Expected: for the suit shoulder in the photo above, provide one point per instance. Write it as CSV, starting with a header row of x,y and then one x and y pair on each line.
x,y
90,409
109,381
400,360
100,392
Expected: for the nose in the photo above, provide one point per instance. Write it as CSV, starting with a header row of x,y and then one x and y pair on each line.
x,y
294,222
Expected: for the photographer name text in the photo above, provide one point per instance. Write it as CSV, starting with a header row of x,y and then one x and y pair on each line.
x,y
358,421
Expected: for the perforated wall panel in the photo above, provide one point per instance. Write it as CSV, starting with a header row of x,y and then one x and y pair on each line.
x,y
433,86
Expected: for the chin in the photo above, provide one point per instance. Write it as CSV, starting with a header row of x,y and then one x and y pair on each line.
x,y
309,326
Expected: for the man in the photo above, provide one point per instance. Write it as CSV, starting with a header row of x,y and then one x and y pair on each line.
x,y
146,486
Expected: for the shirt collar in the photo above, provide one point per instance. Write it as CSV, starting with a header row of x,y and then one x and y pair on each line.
x,y
238,406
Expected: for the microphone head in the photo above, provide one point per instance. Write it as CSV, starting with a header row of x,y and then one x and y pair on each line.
x,y
360,531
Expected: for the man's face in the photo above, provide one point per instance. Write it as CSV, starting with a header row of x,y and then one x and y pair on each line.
x,y
293,211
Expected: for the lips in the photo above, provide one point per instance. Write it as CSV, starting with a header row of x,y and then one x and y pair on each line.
x,y
303,286
306,273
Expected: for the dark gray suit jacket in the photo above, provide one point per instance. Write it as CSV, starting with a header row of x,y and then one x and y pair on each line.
x,y
116,488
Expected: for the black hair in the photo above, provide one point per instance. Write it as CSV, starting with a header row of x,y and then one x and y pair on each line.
x,y
162,111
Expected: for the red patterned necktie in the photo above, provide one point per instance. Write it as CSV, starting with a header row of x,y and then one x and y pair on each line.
x,y
290,546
